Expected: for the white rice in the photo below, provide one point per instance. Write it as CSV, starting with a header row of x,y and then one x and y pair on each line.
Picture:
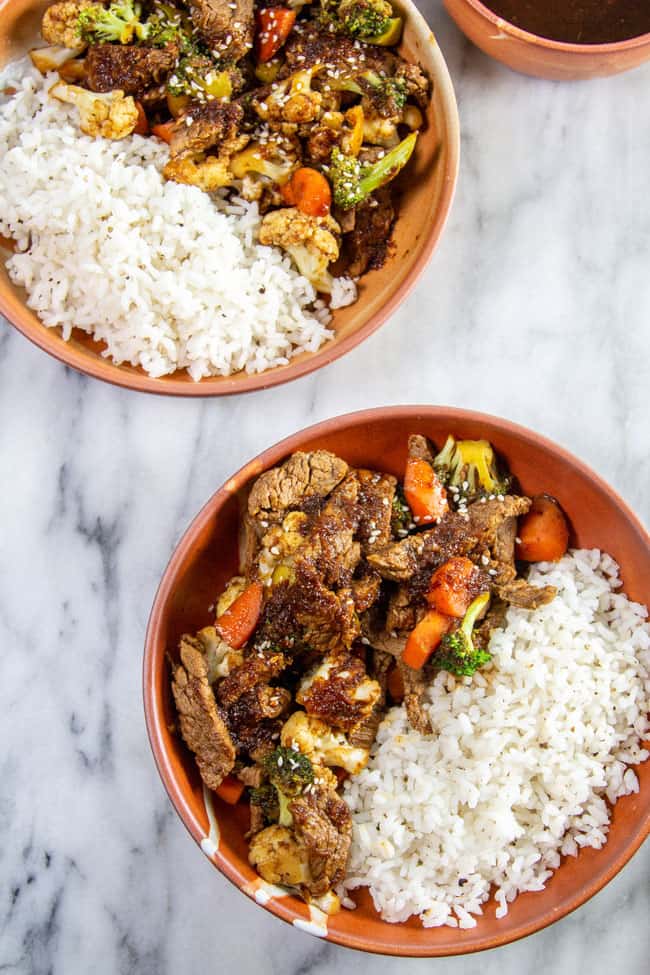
x,y
523,760
167,276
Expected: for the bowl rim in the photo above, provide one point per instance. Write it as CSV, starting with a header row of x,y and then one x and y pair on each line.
x,y
611,47
155,719
17,313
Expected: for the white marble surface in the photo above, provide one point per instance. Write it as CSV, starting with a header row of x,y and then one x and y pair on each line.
x,y
535,306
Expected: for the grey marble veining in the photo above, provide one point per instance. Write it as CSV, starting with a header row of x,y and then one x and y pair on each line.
x,y
535,306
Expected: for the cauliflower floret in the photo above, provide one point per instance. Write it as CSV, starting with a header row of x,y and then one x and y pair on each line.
x,y
309,241
46,59
279,857
322,744
110,115
60,23
207,172
221,658
292,100
380,131
339,691
234,589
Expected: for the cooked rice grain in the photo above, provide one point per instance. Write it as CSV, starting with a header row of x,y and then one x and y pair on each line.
x,y
167,276
523,759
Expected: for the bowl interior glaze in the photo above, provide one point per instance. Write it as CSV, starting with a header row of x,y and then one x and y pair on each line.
x,y
425,200
208,555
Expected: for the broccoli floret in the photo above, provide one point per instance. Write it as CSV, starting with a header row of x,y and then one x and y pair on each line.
x,y
362,19
469,468
289,772
365,18
118,23
169,24
266,798
401,516
352,182
457,653
388,95
199,77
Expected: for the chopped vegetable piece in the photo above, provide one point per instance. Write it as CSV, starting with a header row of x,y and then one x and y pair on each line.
x,y
353,182
424,639
289,772
395,685
309,191
470,469
273,27
391,35
142,125
237,624
164,131
543,533
450,590
425,495
120,22
230,790
457,653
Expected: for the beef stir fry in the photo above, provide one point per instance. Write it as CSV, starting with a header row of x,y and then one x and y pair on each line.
x,y
355,590
304,108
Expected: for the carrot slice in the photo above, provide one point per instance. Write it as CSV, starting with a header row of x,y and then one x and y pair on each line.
x,y
311,192
451,587
273,27
142,125
424,493
543,533
424,639
395,685
230,790
240,619
164,131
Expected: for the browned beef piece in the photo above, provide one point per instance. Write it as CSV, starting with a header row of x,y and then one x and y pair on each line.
x,y
420,448
322,822
307,612
253,720
131,69
494,524
251,775
415,684
376,509
365,733
257,822
401,560
154,98
257,668
211,124
201,725
365,587
227,30
520,593
404,610
366,247
302,476
310,43
340,692
330,546
321,141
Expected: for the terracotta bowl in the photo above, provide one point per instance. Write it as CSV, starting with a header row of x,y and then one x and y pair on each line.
x,y
207,556
539,56
425,202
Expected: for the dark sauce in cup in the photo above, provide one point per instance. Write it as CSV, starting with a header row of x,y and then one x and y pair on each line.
x,y
577,21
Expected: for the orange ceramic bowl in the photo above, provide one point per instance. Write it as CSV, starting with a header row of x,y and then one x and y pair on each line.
x,y
207,556
539,56
427,191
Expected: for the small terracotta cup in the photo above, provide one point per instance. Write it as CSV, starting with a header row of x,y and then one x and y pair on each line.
x,y
426,193
207,556
539,56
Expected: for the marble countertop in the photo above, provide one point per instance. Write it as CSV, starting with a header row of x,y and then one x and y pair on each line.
x,y
535,306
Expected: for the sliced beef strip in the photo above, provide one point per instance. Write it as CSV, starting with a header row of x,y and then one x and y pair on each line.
x,y
415,685
211,125
257,668
401,560
376,495
310,43
323,823
365,587
330,546
494,524
365,248
202,726
302,476
520,593
420,448
251,775
227,26
404,610
257,821
365,733
130,69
